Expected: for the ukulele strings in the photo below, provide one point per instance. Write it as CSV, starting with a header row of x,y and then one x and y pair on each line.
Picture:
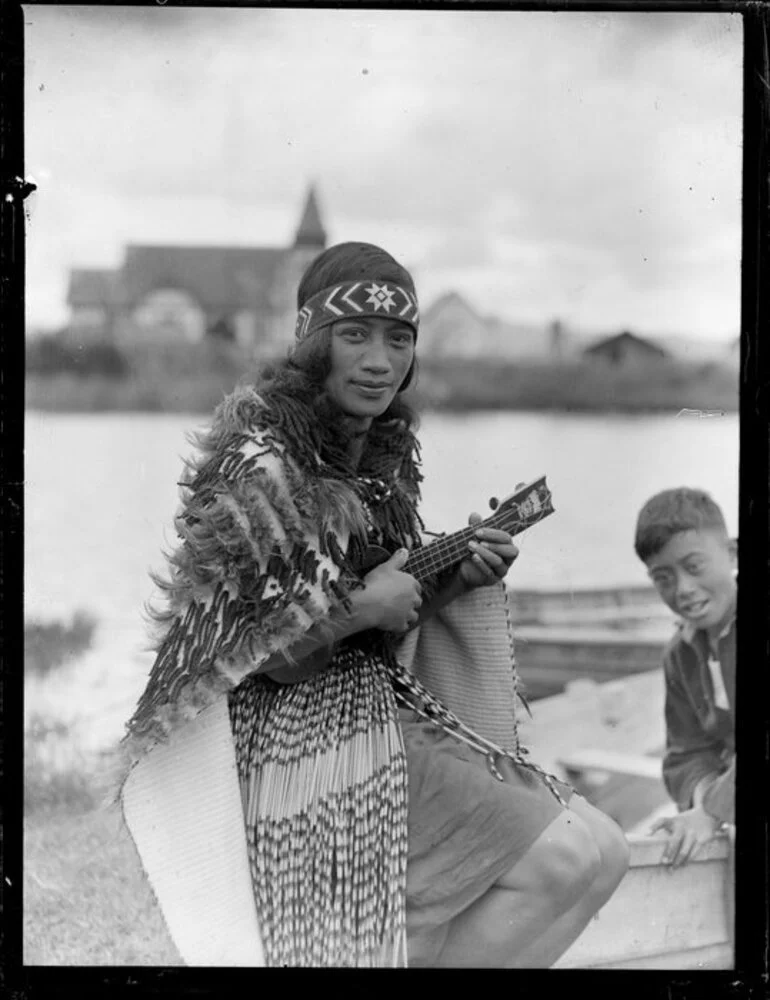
x,y
445,552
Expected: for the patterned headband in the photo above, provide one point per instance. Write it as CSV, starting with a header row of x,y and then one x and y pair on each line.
x,y
355,299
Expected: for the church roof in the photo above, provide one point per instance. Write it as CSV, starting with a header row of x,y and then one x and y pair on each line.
x,y
310,232
218,277
91,287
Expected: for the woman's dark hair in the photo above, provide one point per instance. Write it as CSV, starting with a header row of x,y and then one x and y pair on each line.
x,y
348,262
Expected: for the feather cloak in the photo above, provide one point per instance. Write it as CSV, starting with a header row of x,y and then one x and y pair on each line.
x,y
267,550
264,555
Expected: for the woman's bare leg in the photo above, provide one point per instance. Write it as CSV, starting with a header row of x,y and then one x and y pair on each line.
x,y
527,901
613,849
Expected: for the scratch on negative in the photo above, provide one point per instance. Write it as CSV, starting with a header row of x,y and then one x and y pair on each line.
x,y
700,413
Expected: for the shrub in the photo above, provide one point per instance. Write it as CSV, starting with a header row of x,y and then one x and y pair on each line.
x,y
456,384
53,354
49,644
56,772
170,361
193,378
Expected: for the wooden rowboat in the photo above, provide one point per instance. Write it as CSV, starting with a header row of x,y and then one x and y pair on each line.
x,y
608,739
600,635
660,918
587,605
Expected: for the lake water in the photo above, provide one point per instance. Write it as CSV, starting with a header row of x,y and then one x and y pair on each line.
x,y
101,493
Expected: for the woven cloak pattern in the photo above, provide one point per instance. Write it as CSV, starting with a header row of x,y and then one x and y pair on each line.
x,y
178,802
464,656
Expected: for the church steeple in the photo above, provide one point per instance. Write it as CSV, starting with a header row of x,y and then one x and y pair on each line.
x,y
311,232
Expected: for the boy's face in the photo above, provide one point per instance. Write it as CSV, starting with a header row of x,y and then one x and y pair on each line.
x,y
694,573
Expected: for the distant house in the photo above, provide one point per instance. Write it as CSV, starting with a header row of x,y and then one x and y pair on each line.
x,y
697,351
625,348
451,328
183,293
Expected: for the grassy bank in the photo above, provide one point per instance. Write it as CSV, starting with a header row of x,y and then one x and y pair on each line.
x,y
67,393
86,901
450,386
173,378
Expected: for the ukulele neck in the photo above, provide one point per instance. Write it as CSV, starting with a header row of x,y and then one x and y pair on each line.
x,y
514,515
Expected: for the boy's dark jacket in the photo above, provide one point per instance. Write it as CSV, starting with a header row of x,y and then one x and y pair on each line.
x,y
700,737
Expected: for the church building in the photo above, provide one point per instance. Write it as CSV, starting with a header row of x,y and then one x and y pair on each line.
x,y
184,293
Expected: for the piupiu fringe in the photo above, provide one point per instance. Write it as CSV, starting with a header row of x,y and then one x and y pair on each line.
x,y
323,776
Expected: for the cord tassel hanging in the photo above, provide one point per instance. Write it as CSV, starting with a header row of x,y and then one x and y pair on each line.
x,y
413,694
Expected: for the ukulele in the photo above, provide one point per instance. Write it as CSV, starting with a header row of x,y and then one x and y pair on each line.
x,y
514,514
517,512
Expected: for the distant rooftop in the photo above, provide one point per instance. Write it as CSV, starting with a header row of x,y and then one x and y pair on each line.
x,y
89,286
216,276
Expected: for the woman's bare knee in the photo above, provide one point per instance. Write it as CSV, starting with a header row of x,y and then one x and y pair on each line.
x,y
611,842
560,866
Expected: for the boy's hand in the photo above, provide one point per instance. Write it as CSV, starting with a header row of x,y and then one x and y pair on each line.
x,y
688,832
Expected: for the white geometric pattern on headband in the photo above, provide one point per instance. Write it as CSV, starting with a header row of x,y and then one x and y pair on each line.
x,y
381,295
332,308
357,298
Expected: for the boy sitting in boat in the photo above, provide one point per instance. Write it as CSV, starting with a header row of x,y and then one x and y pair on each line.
x,y
682,538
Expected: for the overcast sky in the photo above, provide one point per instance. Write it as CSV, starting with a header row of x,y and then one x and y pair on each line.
x,y
579,165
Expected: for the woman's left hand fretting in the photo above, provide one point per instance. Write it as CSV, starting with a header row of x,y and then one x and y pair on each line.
x,y
492,554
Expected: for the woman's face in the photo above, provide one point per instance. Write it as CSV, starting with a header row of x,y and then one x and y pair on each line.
x,y
369,360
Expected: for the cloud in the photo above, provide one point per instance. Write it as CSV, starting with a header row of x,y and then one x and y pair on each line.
x,y
585,151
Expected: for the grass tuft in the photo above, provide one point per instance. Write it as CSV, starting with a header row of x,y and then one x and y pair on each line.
x,y
86,898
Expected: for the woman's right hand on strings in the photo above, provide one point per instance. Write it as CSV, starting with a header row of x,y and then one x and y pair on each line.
x,y
390,599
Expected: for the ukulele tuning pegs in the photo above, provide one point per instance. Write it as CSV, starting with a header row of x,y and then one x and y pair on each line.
x,y
494,503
